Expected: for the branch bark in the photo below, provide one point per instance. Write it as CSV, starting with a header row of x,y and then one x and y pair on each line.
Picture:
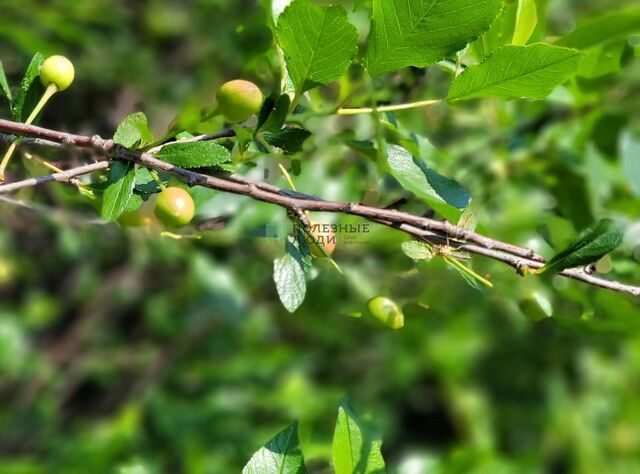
x,y
420,227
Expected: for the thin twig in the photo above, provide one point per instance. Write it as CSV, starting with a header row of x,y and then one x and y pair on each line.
x,y
421,227
62,177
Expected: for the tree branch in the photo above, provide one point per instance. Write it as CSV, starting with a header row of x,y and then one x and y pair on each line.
x,y
62,176
420,227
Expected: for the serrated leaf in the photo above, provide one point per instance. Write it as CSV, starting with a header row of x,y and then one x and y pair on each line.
x,y
442,193
281,455
121,181
409,33
353,450
517,72
133,131
194,154
607,28
288,275
526,21
318,43
4,85
417,250
29,91
289,139
590,246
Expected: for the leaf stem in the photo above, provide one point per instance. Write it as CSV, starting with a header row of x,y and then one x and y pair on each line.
x,y
454,262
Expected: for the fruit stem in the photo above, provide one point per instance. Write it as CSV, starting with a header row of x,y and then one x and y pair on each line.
x,y
48,93
287,176
423,104
156,178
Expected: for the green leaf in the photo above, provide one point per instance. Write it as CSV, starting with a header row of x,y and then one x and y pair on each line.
x,y
607,28
602,60
409,33
277,116
630,156
526,21
29,91
590,246
417,250
4,85
121,181
133,131
517,71
289,139
318,43
281,455
443,194
353,450
288,275
194,154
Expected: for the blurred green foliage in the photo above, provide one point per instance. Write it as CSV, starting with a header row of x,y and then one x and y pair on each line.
x,y
123,352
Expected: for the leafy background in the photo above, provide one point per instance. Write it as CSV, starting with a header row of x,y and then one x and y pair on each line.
x,y
125,352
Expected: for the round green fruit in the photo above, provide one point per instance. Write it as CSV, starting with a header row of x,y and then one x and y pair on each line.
x,y
238,100
175,207
386,311
57,70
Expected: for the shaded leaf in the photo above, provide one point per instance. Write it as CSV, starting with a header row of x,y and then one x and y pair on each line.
x,y
4,85
590,246
444,194
29,91
121,181
281,455
277,116
517,71
318,43
194,154
609,27
353,450
630,155
406,33
289,139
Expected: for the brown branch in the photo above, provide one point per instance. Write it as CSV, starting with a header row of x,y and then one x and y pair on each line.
x,y
62,177
420,227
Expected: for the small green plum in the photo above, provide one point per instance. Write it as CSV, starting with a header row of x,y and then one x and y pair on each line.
x,y
386,311
174,207
238,100
57,70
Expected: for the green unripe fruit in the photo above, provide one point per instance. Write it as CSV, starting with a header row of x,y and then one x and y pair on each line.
x,y
175,207
386,311
57,70
238,100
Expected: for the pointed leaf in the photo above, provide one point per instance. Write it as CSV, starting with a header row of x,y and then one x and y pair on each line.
x,y
590,246
417,250
517,71
318,43
4,85
353,450
409,33
121,181
194,154
29,91
281,455
444,194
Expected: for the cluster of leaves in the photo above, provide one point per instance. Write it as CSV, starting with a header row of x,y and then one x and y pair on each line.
x,y
354,450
